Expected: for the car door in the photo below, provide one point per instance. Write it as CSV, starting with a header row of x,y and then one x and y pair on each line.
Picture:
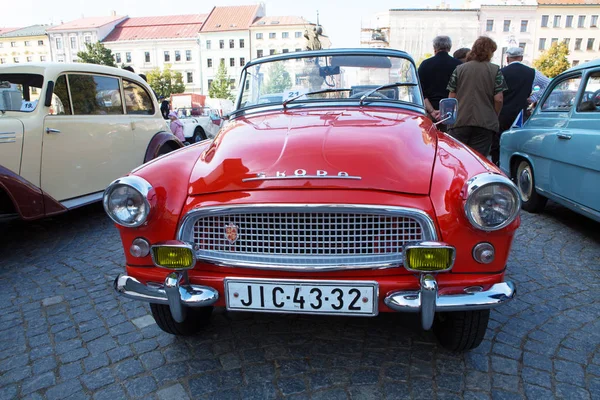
x,y
146,119
89,144
576,165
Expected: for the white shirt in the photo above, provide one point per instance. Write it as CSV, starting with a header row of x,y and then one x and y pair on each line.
x,y
539,80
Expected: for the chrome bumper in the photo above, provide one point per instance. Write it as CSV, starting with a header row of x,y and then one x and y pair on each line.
x,y
176,292
428,301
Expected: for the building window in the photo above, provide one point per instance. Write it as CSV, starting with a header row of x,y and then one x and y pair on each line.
x,y
285,50
271,52
208,45
13,44
190,77
231,43
578,44
581,22
118,58
523,45
242,44
297,35
232,62
567,41
30,59
242,61
209,63
177,55
42,58
61,59
221,44
575,63
542,45
40,42
188,55
590,44
506,25
569,22
167,56
87,39
557,21
259,35
16,60
147,56
544,21
594,21
232,83
259,53
27,43
59,43
298,50
210,81
553,40
285,35
128,57
272,35
73,42
489,25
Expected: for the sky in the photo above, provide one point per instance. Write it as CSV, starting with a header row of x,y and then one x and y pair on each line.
x,y
341,19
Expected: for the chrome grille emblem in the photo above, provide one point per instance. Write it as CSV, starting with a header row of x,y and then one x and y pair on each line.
x,y
231,232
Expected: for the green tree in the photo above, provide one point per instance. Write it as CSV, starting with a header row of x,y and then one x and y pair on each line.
x,y
166,82
278,79
220,87
554,60
96,53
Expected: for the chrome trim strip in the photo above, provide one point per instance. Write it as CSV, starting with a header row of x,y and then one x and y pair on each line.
x,y
82,201
337,262
8,137
427,299
273,178
352,283
576,207
7,140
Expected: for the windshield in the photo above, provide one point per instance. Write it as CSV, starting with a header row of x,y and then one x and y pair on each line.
x,y
348,76
20,92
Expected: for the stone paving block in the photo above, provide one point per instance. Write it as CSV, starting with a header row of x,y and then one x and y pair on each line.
x,y
172,392
38,382
142,322
64,390
141,387
52,300
98,379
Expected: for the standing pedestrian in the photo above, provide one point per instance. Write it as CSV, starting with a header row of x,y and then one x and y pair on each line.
x,y
176,126
164,107
461,54
520,80
434,74
477,85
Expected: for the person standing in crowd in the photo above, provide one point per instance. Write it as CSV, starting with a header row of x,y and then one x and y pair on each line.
x,y
478,86
520,80
434,74
461,54
176,126
129,68
164,107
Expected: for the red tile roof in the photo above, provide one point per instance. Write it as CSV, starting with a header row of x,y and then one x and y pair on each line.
x,y
86,23
167,27
280,21
568,2
230,18
6,30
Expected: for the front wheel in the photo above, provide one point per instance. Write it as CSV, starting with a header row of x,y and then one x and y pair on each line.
x,y
532,201
199,135
461,330
195,319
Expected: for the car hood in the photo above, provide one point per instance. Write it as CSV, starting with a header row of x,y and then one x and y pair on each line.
x,y
378,149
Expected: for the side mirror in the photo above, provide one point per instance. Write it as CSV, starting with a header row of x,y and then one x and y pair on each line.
x,y
448,111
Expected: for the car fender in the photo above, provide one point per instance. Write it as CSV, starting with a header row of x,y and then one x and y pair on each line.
x,y
512,164
157,142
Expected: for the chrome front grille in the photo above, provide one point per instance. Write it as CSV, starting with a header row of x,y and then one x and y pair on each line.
x,y
305,236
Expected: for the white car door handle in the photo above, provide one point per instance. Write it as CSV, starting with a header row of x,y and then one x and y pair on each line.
x,y
52,130
564,136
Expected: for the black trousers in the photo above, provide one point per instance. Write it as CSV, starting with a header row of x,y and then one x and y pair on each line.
x,y
505,124
477,138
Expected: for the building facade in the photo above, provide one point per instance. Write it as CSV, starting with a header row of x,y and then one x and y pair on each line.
x,y
23,45
147,43
66,40
575,22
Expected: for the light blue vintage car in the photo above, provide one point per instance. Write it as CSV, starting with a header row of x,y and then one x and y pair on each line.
x,y
556,153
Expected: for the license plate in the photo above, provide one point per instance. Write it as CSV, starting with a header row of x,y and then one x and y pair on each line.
x,y
304,297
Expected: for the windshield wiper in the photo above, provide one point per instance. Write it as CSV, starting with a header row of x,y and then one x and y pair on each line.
x,y
387,86
316,92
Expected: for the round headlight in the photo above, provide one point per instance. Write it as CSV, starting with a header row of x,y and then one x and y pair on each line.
x,y
493,202
126,201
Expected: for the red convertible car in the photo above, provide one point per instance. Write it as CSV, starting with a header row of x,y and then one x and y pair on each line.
x,y
340,198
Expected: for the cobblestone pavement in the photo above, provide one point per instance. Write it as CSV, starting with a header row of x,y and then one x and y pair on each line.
x,y
65,334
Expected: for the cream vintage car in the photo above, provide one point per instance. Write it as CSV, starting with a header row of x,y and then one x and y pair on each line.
x,y
68,130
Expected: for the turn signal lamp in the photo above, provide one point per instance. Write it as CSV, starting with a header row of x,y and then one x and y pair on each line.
x,y
429,257
176,257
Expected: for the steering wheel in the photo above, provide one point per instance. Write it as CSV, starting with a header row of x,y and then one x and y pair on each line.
x,y
596,97
374,94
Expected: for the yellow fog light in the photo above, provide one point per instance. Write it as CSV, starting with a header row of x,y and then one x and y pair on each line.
x,y
429,257
173,256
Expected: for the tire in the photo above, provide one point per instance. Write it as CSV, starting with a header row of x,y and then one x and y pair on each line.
x,y
199,135
532,201
195,319
461,330
165,149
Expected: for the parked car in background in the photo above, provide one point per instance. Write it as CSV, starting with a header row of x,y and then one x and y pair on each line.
x,y
199,125
340,197
556,153
68,130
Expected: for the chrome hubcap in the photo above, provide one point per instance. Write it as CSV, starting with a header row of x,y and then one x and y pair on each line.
x,y
525,184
